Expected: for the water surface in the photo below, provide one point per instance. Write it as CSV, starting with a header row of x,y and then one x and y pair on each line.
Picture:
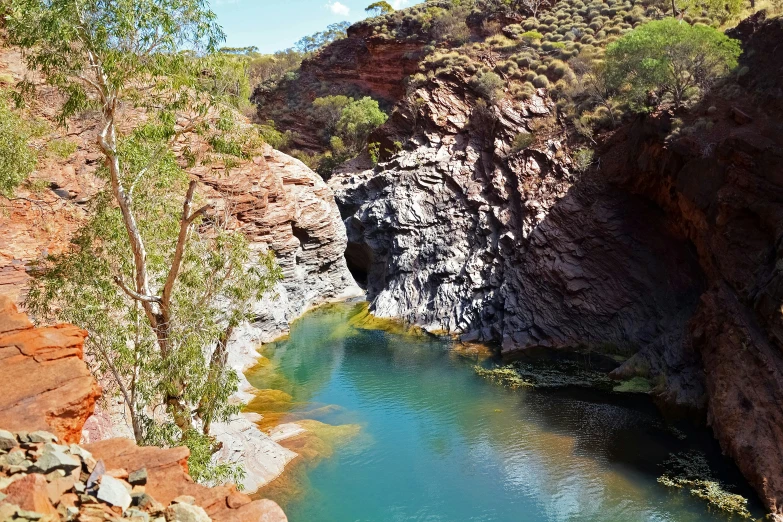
x,y
406,431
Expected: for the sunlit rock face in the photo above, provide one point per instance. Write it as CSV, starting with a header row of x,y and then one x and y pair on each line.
x,y
459,233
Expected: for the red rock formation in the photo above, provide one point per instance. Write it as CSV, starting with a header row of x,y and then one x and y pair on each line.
x,y
721,187
46,385
168,479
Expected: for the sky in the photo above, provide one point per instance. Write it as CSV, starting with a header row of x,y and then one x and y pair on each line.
x,y
273,25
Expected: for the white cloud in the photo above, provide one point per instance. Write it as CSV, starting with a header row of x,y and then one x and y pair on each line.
x,y
339,9
399,4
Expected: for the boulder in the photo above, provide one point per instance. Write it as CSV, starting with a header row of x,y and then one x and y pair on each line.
x,y
53,389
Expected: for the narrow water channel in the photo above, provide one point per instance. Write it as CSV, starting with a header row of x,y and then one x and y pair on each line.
x,y
400,428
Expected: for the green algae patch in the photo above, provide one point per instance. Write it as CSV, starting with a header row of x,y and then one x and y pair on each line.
x,y
634,385
363,319
547,374
505,376
690,471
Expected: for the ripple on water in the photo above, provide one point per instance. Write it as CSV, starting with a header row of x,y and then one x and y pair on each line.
x,y
399,427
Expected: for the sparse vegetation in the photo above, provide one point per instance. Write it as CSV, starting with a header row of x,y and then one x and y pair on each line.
x,y
17,158
669,57
691,471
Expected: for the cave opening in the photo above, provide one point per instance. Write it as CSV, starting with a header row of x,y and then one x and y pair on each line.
x,y
358,257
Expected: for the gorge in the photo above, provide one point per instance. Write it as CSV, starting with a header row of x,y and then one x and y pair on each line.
x,y
542,334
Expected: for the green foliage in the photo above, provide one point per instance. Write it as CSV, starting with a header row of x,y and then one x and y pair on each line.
x,y
276,139
357,120
328,110
133,40
522,141
531,36
61,148
17,158
379,8
219,280
670,57
374,150
582,159
540,81
312,43
159,288
489,85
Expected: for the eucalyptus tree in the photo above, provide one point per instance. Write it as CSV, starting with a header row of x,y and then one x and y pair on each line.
x,y
671,57
158,278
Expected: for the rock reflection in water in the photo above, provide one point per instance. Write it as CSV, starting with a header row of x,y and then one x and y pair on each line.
x,y
399,427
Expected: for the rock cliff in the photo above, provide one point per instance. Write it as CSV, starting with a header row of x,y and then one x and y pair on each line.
x,y
275,200
669,250
45,383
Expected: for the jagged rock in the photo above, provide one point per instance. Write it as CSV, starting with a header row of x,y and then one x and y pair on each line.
x,y
167,480
134,515
115,492
30,494
138,477
7,440
41,437
52,387
54,457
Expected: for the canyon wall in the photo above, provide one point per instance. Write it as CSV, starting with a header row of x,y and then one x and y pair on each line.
x,y
274,199
668,250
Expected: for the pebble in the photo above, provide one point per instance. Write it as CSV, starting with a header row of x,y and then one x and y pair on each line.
x,y
54,457
41,436
186,513
138,477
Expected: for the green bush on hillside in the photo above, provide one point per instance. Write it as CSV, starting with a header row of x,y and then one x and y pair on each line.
x,y
670,57
17,158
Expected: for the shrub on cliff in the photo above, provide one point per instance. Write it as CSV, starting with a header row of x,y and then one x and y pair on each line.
x,y
17,158
669,57
160,289
489,85
357,120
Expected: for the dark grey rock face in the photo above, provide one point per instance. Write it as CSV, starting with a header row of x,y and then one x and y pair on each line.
x,y
459,234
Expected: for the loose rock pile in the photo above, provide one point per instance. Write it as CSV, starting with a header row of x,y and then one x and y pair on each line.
x,y
44,481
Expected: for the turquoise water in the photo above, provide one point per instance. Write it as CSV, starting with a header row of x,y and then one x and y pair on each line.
x,y
423,438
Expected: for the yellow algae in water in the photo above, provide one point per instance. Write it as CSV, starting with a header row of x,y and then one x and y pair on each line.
x,y
317,442
363,319
634,385
691,471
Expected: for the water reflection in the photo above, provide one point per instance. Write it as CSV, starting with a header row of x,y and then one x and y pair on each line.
x,y
406,431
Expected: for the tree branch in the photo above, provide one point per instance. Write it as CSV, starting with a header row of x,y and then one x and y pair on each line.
x,y
176,263
135,295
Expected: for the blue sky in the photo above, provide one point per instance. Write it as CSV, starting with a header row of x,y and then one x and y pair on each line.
x,y
272,25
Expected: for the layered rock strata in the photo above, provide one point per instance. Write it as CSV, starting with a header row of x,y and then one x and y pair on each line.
x,y
45,383
669,250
